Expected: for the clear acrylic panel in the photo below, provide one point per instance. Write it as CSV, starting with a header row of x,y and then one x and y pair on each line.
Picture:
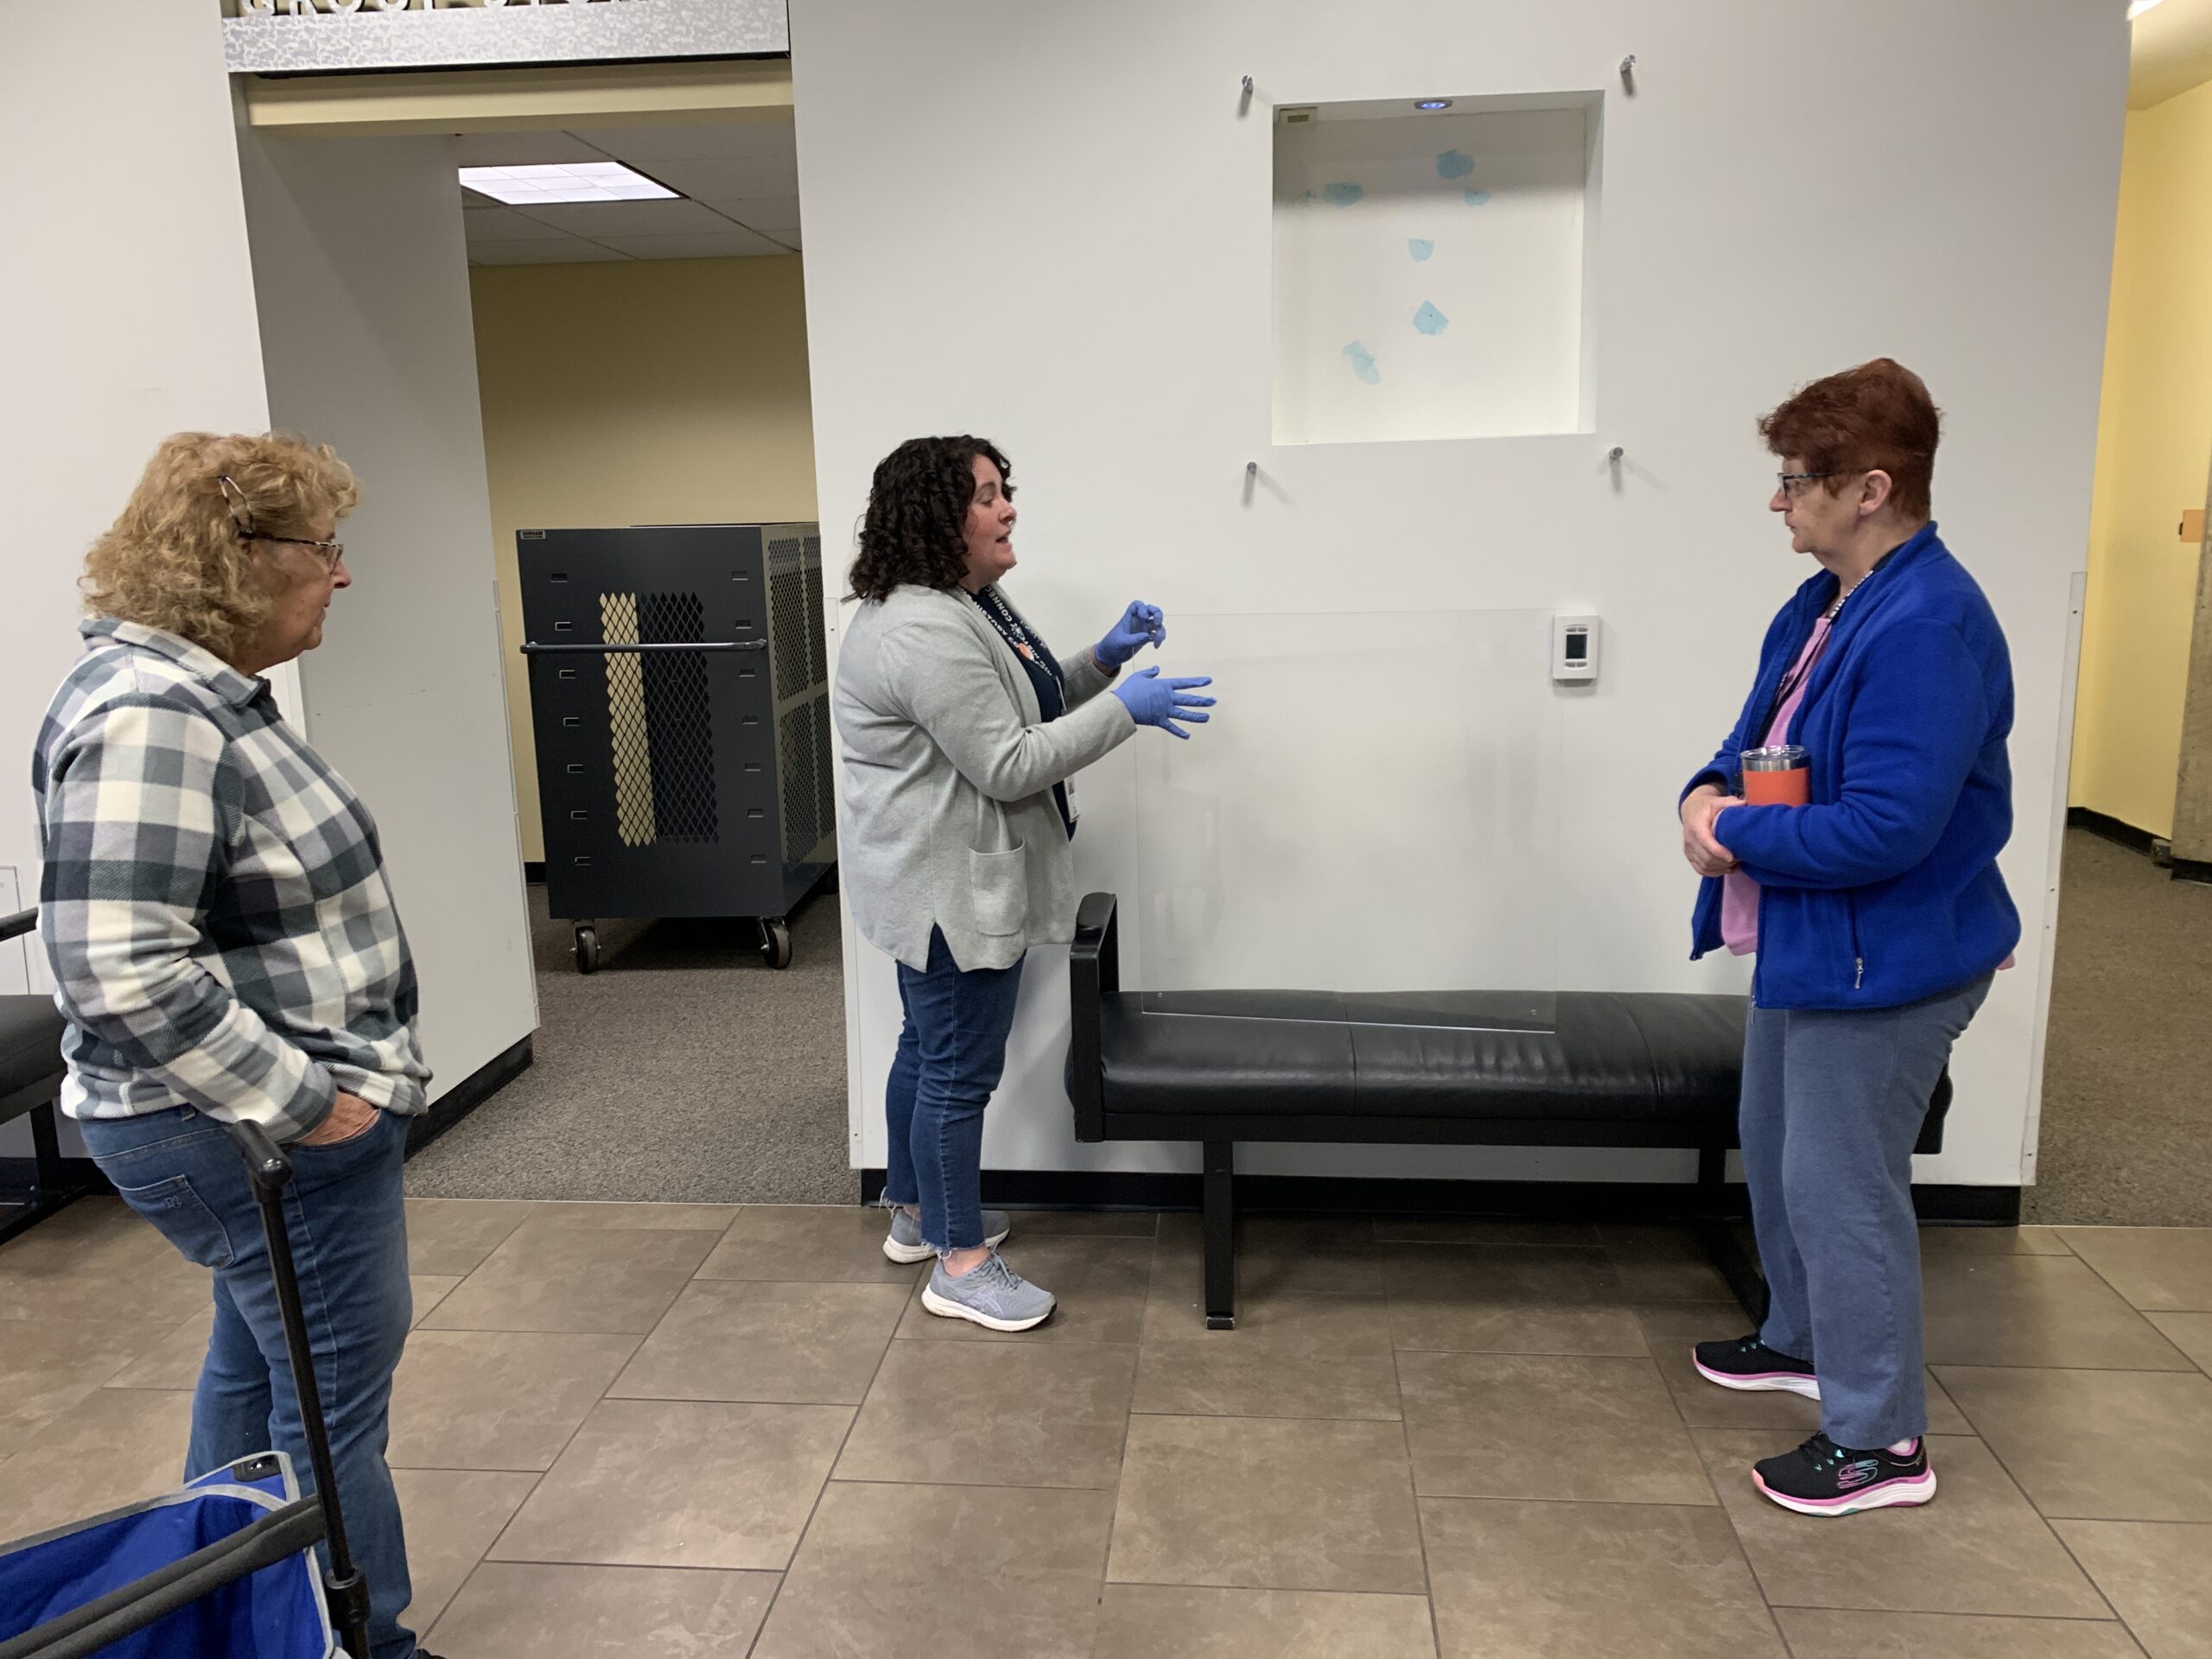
x,y
1369,818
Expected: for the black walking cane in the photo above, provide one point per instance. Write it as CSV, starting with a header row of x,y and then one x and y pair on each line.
x,y
347,1592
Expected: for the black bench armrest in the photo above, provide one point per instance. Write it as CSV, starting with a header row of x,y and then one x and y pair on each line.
x,y
18,924
1093,973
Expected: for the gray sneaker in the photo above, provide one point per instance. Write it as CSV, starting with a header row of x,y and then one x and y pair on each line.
x,y
993,1295
904,1244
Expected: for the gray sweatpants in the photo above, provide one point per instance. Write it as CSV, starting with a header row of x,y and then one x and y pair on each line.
x,y
1832,1104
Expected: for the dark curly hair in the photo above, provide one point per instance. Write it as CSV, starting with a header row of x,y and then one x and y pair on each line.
x,y
916,504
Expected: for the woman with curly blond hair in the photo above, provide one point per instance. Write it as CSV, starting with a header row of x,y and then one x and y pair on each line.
x,y
225,948
962,730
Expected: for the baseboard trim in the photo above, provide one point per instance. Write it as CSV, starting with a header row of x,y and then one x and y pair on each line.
x,y
2154,847
1071,1189
2116,831
469,1094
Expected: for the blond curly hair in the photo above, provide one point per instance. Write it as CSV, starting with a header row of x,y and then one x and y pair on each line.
x,y
177,559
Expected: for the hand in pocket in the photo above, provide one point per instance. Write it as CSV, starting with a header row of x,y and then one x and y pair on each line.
x,y
349,1119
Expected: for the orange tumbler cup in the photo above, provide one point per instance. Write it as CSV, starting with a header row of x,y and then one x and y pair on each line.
x,y
1777,776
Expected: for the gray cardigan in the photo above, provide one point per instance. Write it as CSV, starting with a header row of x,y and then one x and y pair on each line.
x,y
946,819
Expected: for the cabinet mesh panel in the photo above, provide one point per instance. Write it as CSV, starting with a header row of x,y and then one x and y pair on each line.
x,y
795,756
625,721
679,727
818,661
788,617
825,774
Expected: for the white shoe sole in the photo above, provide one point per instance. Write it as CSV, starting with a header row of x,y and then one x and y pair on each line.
x,y
947,1309
1809,1387
1908,1493
906,1254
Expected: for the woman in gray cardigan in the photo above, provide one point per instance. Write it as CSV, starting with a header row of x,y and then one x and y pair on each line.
x,y
961,732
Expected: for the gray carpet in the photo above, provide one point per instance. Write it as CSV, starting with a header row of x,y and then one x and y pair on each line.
x,y
685,1070
2128,1074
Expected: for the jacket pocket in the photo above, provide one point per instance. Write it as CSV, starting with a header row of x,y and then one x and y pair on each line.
x,y
998,887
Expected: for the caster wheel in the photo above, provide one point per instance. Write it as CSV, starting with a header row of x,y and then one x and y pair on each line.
x,y
586,949
775,942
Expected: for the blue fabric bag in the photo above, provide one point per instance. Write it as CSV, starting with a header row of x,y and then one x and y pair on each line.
x,y
275,1613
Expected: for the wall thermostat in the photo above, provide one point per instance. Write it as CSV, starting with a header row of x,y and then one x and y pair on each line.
x,y
1574,649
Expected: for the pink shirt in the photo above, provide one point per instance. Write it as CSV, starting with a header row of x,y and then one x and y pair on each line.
x,y
1739,894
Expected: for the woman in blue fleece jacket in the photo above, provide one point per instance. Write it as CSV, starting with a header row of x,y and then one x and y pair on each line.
x,y
1877,915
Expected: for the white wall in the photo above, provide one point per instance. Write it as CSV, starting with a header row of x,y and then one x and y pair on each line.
x,y
1067,249
129,288
369,348
129,300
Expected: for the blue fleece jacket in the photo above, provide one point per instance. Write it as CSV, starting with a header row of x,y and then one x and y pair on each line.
x,y
1884,890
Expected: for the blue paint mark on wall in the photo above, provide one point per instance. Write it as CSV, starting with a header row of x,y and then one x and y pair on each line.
x,y
1430,320
1454,164
1477,198
1362,364
1420,248
1343,195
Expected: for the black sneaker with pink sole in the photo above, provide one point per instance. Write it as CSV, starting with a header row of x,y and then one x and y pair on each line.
x,y
1750,1365
1821,1477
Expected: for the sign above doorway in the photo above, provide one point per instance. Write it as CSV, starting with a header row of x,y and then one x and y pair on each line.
x,y
309,37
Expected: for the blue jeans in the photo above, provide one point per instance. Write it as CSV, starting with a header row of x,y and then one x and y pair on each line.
x,y
1832,1104
951,1053
349,1241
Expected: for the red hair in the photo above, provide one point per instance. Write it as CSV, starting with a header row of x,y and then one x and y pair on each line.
x,y
1877,417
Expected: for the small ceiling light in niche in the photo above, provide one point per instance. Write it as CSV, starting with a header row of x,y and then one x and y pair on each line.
x,y
526,186
1432,104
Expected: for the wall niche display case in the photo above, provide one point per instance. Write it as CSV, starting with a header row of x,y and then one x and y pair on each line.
x,y
1433,268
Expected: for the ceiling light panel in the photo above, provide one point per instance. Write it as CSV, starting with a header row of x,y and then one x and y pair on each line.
x,y
526,186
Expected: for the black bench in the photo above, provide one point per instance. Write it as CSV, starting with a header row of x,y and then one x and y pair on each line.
x,y
1645,1069
30,1083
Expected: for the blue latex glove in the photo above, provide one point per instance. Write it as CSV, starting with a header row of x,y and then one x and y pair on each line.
x,y
1155,701
1142,625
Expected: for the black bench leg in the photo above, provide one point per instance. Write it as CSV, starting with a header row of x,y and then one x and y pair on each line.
x,y
1221,1236
1739,1266
51,1187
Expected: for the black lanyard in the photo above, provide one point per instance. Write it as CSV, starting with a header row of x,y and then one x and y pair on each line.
x,y
1032,651
1045,679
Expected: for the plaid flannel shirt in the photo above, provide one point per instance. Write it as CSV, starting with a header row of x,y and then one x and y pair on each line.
x,y
214,902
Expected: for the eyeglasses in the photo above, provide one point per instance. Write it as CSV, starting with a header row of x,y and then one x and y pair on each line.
x,y
1793,484
328,552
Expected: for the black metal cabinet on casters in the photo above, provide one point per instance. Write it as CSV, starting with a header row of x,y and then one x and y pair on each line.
x,y
679,696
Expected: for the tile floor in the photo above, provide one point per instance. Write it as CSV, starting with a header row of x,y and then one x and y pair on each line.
x,y
653,1430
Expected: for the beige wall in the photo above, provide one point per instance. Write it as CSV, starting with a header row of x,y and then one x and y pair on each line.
x,y
2154,440
657,391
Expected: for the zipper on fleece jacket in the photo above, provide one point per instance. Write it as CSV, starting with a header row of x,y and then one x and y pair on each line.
x,y
1858,952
